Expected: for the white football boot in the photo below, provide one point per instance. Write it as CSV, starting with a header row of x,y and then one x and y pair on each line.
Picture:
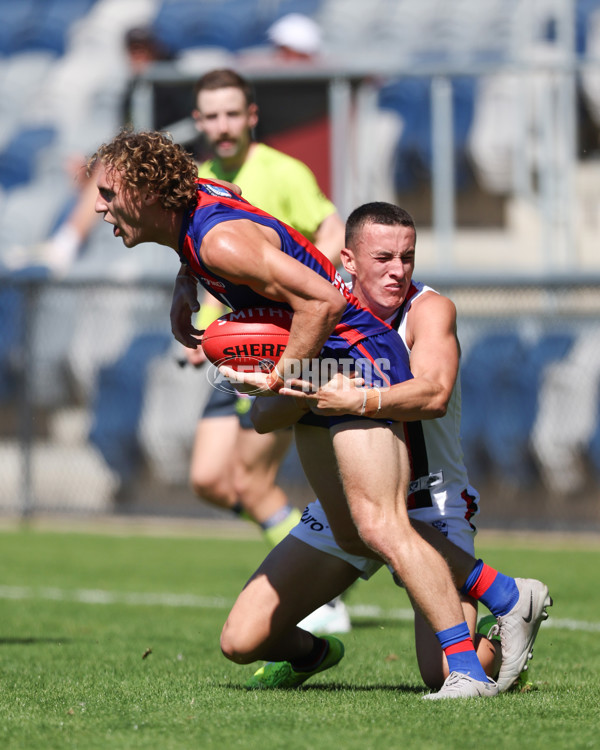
x,y
459,685
519,628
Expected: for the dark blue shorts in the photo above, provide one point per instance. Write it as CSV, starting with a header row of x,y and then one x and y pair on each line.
x,y
382,360
225,403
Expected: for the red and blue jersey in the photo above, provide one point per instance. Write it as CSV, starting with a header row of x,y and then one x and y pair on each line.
x,y
217,204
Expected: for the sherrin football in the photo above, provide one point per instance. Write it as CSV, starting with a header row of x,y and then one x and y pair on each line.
x,y
251,338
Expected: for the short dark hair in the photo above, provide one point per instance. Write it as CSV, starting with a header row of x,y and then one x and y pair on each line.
x,y
223,78
377,212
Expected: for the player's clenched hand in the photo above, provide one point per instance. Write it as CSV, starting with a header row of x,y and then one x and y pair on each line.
x,y
195,357
340,395
183,305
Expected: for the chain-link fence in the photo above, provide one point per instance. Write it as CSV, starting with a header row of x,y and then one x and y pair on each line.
x,y
98,415
530,374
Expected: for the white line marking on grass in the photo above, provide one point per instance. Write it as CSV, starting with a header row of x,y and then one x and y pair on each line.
x,y
369,610
150,599
557,624
407,614
99,596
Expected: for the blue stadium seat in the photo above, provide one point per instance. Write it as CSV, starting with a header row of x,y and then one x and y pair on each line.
x,y
119,401
549,348
185,24
517,401
15,21
501,381
48,26
304,7
19,156
11,336
13,328
38,24
593,447
584,9
411,99
484,373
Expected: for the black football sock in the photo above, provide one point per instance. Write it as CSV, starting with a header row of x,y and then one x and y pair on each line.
x,y
314,658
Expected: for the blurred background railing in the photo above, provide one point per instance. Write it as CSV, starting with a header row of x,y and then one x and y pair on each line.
x,y
481,118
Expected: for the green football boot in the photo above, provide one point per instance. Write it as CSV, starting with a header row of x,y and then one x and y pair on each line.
x,y
281,675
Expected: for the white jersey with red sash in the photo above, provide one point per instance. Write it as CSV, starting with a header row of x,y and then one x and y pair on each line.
x,y
438,474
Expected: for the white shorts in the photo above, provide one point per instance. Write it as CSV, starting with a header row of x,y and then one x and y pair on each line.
x,y
313,529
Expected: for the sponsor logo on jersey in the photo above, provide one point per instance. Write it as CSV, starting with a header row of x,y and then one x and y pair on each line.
x,y
426,482
309,520
217,190
213,283
441,526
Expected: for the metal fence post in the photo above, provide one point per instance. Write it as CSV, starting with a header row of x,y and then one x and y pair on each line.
x,y
26,368
443,170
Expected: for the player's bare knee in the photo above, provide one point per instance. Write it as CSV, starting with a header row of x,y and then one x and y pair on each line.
x,y
209,487
374,533
237,646
250,493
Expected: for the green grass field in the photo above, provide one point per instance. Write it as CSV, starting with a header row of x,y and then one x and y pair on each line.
x,y
111,641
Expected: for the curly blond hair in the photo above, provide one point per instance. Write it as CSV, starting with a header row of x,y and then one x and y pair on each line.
x,y
151,159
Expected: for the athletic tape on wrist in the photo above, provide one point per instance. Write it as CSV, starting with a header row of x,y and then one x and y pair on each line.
x,y
367,411
364,403
272,382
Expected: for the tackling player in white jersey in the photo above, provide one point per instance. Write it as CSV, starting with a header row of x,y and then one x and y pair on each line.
x,y
311,565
